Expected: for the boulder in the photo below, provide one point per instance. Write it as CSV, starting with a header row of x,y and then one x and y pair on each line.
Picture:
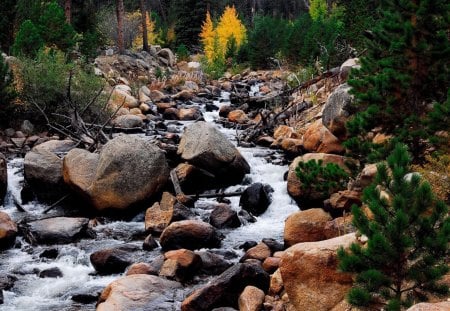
x,y
310,275
213,264
318,138
120,97
294,186
292,146
181,265
256,198
193,179
149,243
305,226
189,234
8,231
284,131
204,146
223,216
337,110
338,227
238,116
183,95
43,168
56,230
141,268
347,66
54,272
157,96
159,216
224,290
129,171
364,178
426,306
27,127
138,292
271,264
225,110
259,252
128,121
79,168
168,55
186,114
342,202
3,177
251,299
110,261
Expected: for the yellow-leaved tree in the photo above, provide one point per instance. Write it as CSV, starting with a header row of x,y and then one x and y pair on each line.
x,y
151,33
207,37
318,9
230,26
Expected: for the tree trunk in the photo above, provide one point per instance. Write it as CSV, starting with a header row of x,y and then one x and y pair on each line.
x,y
144,25
120,11
68,10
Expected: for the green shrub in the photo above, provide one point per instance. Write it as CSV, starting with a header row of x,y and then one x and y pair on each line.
x,y
408,234
182,53
319,181
28,40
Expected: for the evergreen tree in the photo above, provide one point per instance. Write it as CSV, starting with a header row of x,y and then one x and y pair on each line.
x,y
28,40
7,17
407,67
408,232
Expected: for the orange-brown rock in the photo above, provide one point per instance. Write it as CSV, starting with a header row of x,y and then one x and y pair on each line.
x,y
251,299
186,114
343,200
318,138
157,96
276,283
159,216
284,131
8,231
193,179
271,264
180,264
339,226
184,95
364,178
163,106
305,226
381,138
260,252
141,268
292,146
122,98
238,116
310,276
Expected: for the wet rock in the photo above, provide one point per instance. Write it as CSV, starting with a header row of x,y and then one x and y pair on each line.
x,y
2,299
128,121
57,230
189,234
225,110
251,299
7,281
204,146
247,245
159,216
8,231
51,273
223,216
129,171
51,253
318,138
171,113
271,264
110,261
213,264
181,212
141,268
224,290
256,198
260,252
238,116
150,243
273,244
193,179
184,95
138,292
310,275
187,114
337,110
3,177
43,168
157,96
305,226
180,265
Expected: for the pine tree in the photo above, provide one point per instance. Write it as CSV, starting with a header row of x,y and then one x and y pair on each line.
x,y
28,40
405,69
408,232
207,37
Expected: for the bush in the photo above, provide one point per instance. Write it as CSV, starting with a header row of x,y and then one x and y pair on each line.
x,y
28,40
320,181
182,53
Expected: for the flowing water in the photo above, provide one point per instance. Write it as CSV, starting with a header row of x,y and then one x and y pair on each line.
x,y
33,293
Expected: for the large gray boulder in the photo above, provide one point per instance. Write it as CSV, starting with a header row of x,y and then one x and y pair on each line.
x,y
43,168
337,110
204,146
3,177
129,170
138,292
56,230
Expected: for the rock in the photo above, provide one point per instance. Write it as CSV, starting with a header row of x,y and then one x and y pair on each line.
x,y
141,268
227,86
8,231
110,261
168,55
204,146
186,114
159,216
56,230
259,252
273,244
27,127
212,264
191,85
342,201
256,198
364,178
157,96
145,108
120,97
271,264
171,114
223,216
193,179
189,234
225,110
294,186
184,95
51,273
284,131
381,138
194,65
180,265
318,138
337,110
130,170
79,168
138,292
310,276
149,243
43,168
238,116
276,283
128,121
292,146
425,306
305,226
251,299
338,226
3,177
224,290
346,67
